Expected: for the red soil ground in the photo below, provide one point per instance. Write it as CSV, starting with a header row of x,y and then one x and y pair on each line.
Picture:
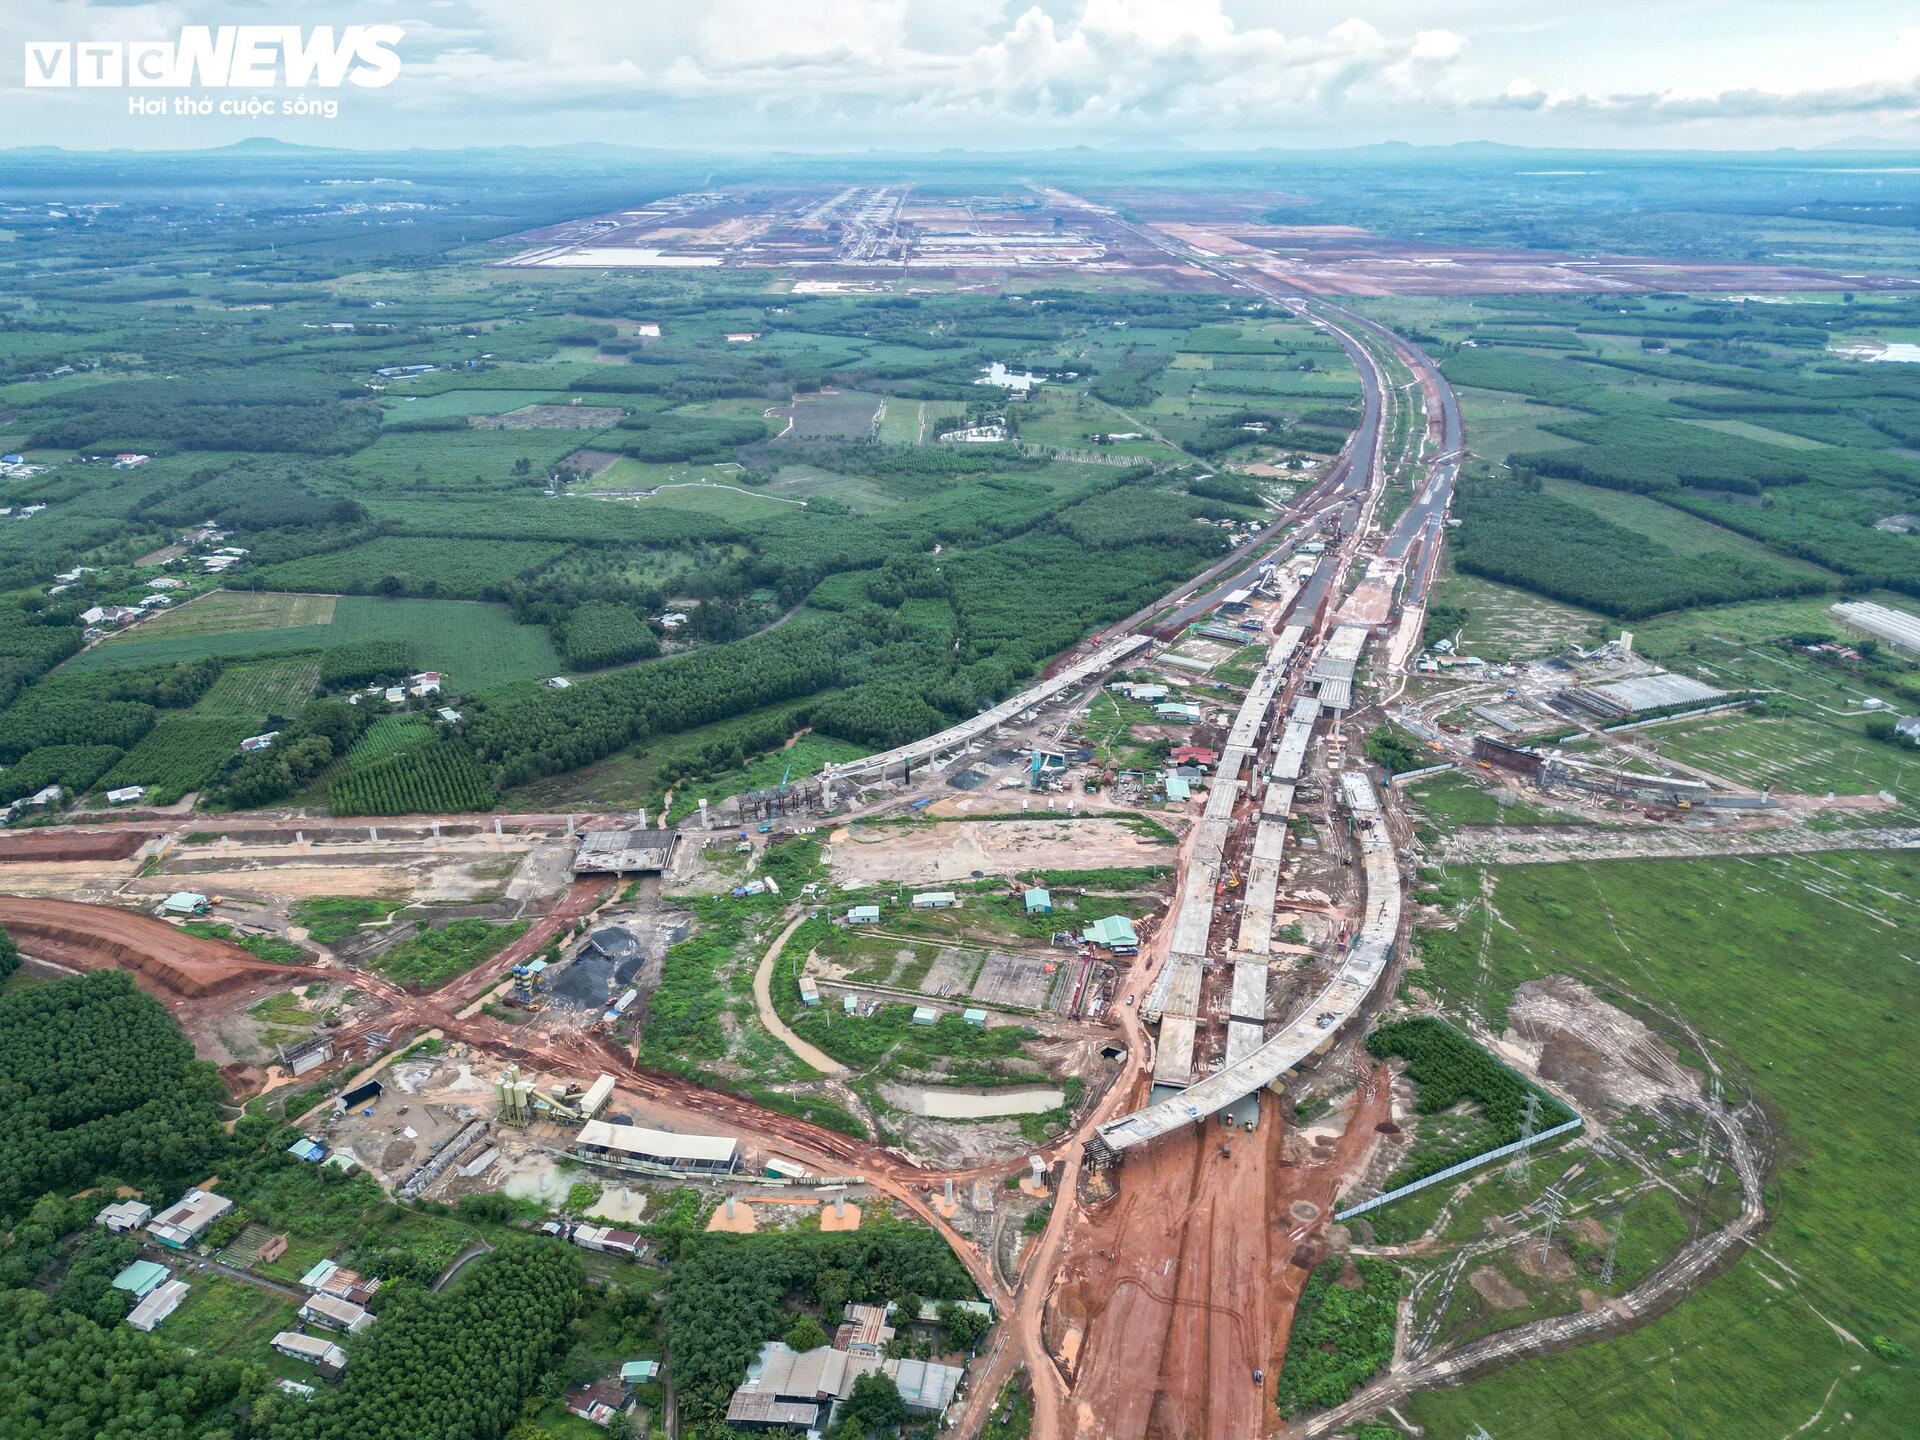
x,y
99,937
1185,1284
71,844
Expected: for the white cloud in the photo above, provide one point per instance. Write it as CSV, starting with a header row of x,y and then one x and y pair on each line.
x,y
1125,65
1894,99
989,73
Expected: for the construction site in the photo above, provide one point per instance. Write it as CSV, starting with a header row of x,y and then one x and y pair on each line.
x,y
1167,872
1257,916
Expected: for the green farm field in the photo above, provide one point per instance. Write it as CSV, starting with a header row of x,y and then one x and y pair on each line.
x,y
467,402
262,687
224,612
453,567
1796,974
1805,753
476,645
388,734
177,755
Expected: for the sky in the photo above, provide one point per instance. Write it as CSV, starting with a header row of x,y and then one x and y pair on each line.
x,y
893,75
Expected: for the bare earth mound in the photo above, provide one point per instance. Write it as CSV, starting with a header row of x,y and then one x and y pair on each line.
x,y
98,937
56,845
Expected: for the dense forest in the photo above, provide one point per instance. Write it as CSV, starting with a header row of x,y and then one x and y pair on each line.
x,y
96,1080
535,732
64,1374
453,1365
1343,1331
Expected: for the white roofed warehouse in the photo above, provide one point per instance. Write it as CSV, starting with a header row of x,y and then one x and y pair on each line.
x,y
187,1219
637,1146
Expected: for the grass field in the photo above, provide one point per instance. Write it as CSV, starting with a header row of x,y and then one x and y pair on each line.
x,y
228,1319
1808,754
1750,431
332,918
1453,799
1501,424
226,612
718,493
808,755
1800,976
431,958
452,567
1676,529
1729,644
466,402
1505,623
477,645
1069,419
1649,1224
262,688
861,493
634,776
903,421
627,473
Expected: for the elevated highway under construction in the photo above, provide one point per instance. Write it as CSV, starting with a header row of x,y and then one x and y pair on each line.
x,y
1209,1231
1201,943
903,758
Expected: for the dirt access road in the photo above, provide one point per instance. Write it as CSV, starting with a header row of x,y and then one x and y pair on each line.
x,y
769,1017
1025,1314
1185,1286
1560,844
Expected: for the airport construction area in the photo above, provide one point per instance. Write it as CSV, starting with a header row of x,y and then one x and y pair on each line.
x,y
868,238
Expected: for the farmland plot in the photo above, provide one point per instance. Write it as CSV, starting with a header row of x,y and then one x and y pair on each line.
x,y
264,687
177,755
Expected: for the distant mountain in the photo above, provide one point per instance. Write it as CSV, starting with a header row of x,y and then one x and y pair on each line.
x,y
267,145
1869,142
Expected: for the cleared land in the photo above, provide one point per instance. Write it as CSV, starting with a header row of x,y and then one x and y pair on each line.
x,y
955,850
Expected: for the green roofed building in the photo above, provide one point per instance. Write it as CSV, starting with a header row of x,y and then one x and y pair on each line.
x,y
140,1278
1114,933
1039,902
